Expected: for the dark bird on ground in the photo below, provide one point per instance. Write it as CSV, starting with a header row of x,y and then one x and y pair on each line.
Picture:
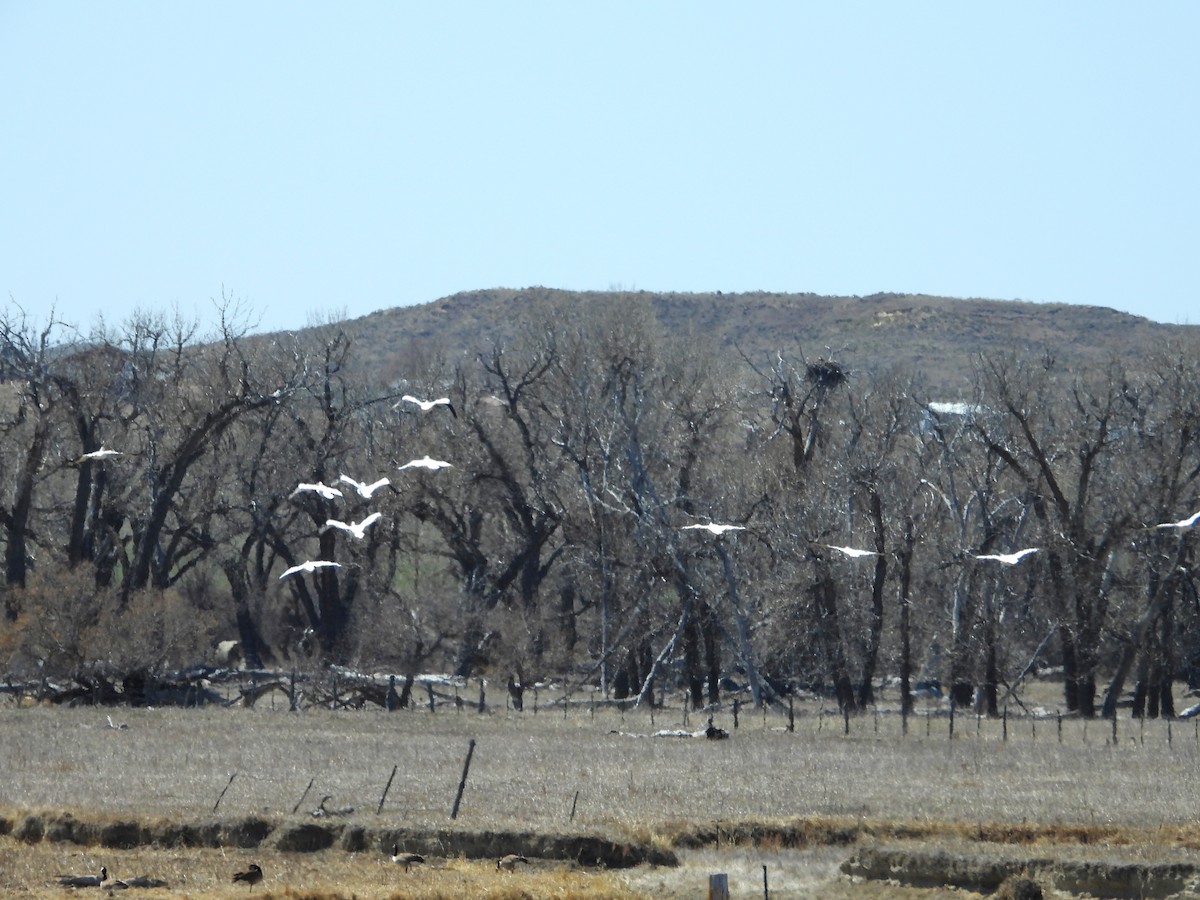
x,y
405,859
143,881
510,862
323,810
82,881
251,876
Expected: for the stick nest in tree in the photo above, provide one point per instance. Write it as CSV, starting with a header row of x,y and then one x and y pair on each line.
x,y
827,374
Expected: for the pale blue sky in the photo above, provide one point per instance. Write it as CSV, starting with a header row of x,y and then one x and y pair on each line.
x,y
324,159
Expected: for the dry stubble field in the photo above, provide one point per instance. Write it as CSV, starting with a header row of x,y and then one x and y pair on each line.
x,y
1073,794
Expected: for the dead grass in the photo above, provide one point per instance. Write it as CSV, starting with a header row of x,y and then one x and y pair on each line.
x,y
526,769
765,791
30,870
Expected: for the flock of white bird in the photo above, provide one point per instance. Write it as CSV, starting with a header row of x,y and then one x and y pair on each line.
x,y
358,530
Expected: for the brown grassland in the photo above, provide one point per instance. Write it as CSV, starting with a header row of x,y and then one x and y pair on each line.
x,y
796,802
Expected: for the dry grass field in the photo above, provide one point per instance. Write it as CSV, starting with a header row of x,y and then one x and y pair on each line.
x,y
795,802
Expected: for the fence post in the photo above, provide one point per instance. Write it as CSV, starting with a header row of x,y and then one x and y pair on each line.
x,y
718,886
462,784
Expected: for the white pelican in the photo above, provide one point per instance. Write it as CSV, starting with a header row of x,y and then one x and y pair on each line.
x,y
1009,559
309,565
427,405
714,528
78,881
102,453
358,529
426,462
852,552
319,488
405,859
365,490
1182,524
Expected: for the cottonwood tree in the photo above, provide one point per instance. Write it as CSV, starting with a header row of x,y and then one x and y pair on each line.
x,y
185,397
33,396
1163,461
1063,438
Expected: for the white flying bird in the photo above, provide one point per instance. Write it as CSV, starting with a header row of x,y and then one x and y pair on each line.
x,y
714,528
309,565
1182,523
358,529
102,453
365,490
319,488
427,405
426,463
852,552
1009,559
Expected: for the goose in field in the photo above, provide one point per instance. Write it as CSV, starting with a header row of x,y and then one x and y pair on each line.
x,y
102,453
427,405
852,552
426,462
365,490
252,876
82,881
323,810
1009,559
1182,524
142,881
324,490
510,862
309,565
358,529
714,528
405,859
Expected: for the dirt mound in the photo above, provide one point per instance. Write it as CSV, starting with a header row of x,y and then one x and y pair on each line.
x,y
310,837
1097,878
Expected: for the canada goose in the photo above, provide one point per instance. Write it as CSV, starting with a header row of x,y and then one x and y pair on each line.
x,y
852,552
365,490
1009,559
714,528
309,565
319,488
427,405
144,881
405,859
82,881
510,862
425,462
252,876
358,529
323,810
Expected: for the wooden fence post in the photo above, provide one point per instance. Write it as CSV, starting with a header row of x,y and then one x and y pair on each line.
x,y
718,886
462,784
